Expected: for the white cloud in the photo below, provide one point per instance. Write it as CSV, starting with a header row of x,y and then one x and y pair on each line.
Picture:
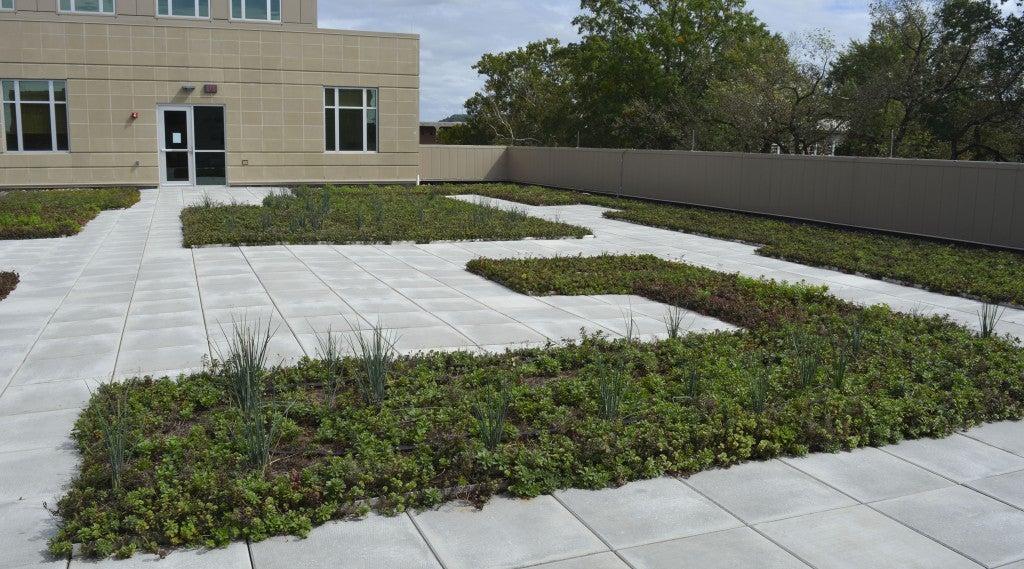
x,y
455,33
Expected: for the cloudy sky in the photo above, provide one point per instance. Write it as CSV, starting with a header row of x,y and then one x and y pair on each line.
x,y
455,33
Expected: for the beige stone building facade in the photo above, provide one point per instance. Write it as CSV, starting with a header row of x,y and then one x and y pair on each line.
x,y
238,92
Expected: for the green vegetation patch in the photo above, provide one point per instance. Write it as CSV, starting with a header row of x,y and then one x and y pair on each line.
x,y
234,453
35,214
8,281
972,271
362,215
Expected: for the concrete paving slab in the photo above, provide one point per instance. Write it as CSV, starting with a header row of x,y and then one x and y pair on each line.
x,y
55,396
37,369
741,547
25,527
508,333
1008,488
36,475
47,430
375,542
1007,435
506,533
597,561
234,556
868,474
856,537
758,492
659,510
430,337
972,524
958,458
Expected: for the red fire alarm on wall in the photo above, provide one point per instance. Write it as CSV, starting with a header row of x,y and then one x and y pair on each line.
x,y
135,115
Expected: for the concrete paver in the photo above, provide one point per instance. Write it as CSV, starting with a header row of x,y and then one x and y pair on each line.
x,y
758,492
729,549
975,525
858,537
506,533
659,510
123,298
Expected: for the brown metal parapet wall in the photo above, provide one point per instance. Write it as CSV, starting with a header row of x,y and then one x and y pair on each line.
x,y
974,202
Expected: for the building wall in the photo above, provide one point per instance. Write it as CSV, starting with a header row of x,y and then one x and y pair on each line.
x,y
270,79
974,202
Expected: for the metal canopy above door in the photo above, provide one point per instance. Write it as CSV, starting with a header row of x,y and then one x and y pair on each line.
x,y
192,150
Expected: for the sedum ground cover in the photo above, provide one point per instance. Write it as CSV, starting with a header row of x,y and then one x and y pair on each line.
x,y
361,215
202,461
35,214
8,281
973,271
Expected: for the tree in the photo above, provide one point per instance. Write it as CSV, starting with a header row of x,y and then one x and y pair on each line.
x,y
777,98
934,79
526,95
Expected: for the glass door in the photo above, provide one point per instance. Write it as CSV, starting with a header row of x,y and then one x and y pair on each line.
x,y
192,150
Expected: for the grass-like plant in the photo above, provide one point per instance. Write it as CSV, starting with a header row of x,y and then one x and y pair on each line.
x,y
692,379
110,412
329,351
674,321
808,358
989,317
759,375
840,362
376,355
611,385
856,334
244,369
491,410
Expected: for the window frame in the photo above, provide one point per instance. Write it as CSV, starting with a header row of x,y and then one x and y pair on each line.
x,y
170,9
100,12
4,4
337,107
242,18
51,103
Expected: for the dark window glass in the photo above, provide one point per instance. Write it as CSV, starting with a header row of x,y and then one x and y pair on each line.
x,y
275,10
177,166
34,90
61,118
210,169
8,91
183,8
255,9
329,129
209,128
204,8
161,7
350,129
371,130
35,127
350,97
60,91
176,130
236,8
329,97
11,126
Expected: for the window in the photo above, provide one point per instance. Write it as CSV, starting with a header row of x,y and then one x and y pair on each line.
x,y
183,8
6,4
91,6
35,115
350,119
266,10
